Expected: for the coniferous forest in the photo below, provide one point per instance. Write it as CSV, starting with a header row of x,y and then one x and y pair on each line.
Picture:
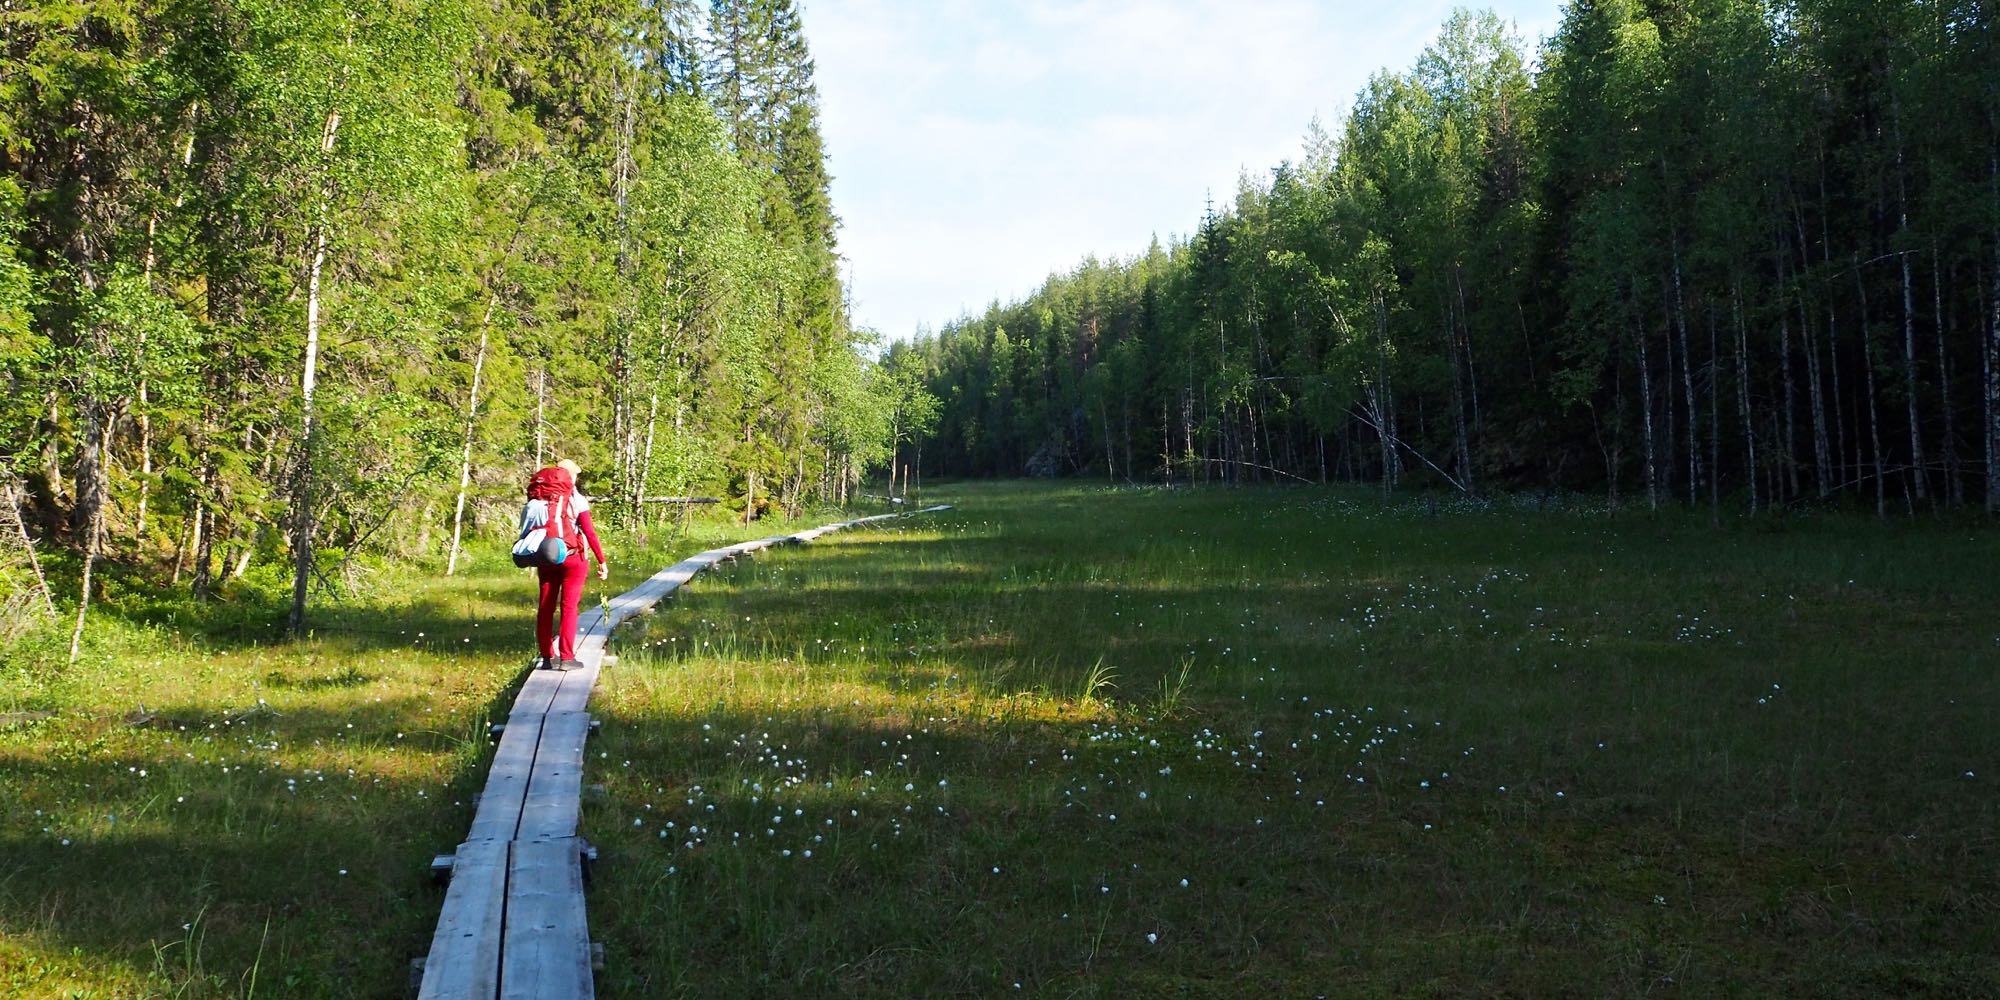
x,y
278,275
1740,254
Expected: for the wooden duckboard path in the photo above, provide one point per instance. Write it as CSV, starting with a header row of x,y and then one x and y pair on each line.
x,y
513,919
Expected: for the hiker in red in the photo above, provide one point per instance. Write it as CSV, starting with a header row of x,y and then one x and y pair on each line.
x,y
562,586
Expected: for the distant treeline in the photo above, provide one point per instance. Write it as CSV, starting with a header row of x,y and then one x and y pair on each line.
x,y
287,276
1713,251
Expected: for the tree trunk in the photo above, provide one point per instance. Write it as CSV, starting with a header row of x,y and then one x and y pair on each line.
x,y
1992,351
541,404
1110,456
1992,375
1954,486
90,469
1815,387
144,415
471,422
1669,413
1461,439
1839,399
302,530
1832,327
1790,422
1646,411
1465,346
1742,401
1392,461
653,417
51,457
1918,476
1874,416
28,544
1687,384
621,404
1715,430
184,552
94,537
203,552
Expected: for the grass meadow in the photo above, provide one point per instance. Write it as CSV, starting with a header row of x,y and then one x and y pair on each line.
x,y
1069,741
196,809
1076,742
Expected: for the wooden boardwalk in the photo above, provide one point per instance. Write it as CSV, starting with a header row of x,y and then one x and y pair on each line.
x,y
513,921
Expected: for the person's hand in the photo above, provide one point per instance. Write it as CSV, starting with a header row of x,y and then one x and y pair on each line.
x,y
604,571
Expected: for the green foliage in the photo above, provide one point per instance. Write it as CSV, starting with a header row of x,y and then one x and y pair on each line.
x,y
524,230
1714,249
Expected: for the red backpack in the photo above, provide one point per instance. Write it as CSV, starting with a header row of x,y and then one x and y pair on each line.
x,y
555,487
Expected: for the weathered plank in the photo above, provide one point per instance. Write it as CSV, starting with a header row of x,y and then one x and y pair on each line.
x,y
589,623
464,959
551,807
536,690
545,949
499,810
575,691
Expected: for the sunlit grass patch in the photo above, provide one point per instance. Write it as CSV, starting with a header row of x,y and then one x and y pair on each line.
x,y
1485,749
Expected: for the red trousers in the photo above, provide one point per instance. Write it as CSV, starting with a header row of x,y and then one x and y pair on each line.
x,y
561,585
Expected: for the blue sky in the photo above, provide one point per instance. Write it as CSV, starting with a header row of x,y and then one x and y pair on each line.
x,y
978,146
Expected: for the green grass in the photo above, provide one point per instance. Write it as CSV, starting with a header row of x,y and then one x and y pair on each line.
x,y
1392,752
1757,761
266,826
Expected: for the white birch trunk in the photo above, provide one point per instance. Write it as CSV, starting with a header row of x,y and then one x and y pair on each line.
x,y
1874,415
471,422
1646,412
1791,405
1917,473
1954,488
28,546
145,417
1743,400
1815,389
1918,476
302,532
1687,383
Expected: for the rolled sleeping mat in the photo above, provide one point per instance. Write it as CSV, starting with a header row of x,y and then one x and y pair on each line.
x,y
554,552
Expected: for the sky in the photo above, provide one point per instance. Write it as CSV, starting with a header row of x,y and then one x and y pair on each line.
x,y
977,146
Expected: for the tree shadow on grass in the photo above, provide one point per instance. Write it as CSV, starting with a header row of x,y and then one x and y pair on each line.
x,y
219,818
324,892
